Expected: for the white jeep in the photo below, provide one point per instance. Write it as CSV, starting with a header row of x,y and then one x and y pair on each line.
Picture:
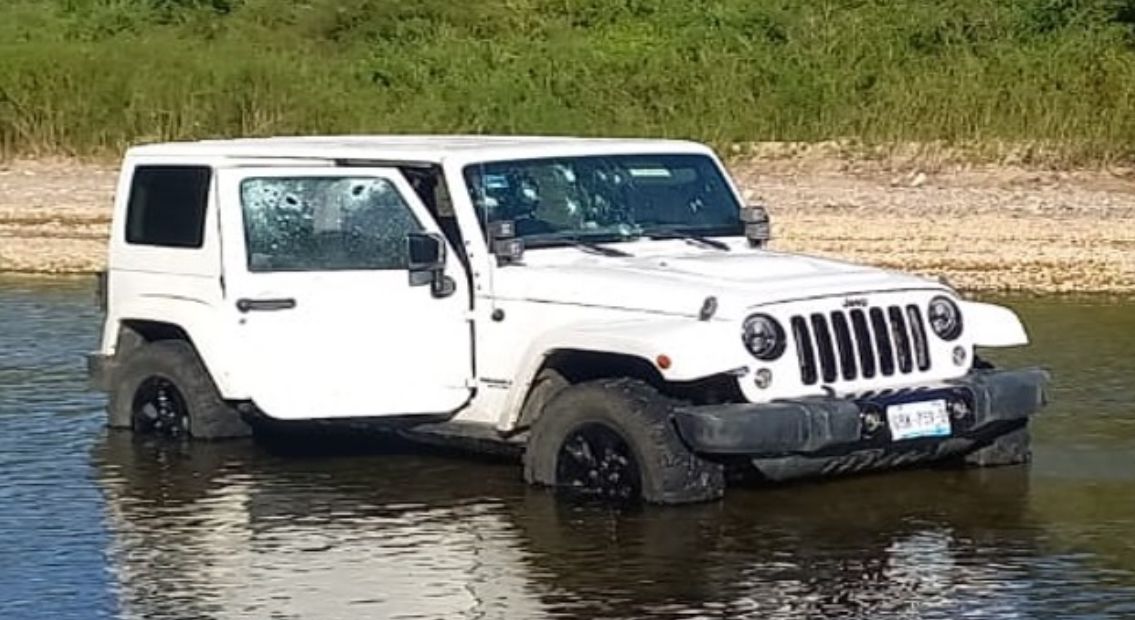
x,y
607,308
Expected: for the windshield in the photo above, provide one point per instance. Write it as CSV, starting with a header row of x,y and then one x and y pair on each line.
x,y
605,198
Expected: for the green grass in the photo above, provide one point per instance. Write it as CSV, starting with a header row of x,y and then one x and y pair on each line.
x,y
87,77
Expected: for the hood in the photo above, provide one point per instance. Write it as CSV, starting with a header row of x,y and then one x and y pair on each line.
x,y
674,277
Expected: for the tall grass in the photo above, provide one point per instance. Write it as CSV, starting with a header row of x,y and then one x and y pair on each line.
x,y
90,76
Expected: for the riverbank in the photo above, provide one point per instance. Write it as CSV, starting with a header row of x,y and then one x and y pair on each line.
x,y
1000,227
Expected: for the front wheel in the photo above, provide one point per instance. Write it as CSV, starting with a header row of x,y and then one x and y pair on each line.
x,y
614,439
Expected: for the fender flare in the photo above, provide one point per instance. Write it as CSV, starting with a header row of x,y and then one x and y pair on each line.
x,y
198,319
682,340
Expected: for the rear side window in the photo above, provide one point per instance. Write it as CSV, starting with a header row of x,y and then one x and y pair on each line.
x,y
167,206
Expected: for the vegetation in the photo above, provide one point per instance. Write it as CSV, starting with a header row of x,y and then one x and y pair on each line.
x,y
89,76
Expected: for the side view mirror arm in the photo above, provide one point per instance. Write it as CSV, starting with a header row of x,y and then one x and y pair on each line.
x,y
441,285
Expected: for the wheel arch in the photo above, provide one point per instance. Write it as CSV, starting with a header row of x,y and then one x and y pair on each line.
x,y
579,365
189,322
561,368
663,353
133,333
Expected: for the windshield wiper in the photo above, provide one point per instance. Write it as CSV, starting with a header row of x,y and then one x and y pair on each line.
x,y
591,247
695,238
596,249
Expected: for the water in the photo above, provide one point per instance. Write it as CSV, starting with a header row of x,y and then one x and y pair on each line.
x,y
96,524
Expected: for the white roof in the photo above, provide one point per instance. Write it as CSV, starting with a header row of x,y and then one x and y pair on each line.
x,y
428,149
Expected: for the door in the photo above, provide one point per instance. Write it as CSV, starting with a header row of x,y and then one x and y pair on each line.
x,y
327,321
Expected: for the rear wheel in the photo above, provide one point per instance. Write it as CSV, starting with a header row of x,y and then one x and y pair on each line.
x,y
614,439
163,389
159,408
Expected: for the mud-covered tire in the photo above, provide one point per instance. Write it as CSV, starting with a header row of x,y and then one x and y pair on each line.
x,y
544,388
1012,448
175,363
630,410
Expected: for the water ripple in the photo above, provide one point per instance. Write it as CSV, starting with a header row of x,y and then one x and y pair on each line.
x,y
97,524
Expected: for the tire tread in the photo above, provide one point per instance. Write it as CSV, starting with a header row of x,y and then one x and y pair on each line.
x,y
672,474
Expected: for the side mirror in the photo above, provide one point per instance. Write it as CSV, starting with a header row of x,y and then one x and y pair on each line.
x,y
758,228
427,263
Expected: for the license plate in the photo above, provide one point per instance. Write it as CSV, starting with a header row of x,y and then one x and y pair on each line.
x,y
914,420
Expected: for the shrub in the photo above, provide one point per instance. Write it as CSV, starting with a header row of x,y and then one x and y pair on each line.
x,y
90,76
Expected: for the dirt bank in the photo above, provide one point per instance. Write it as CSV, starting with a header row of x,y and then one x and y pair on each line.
x,y
993,227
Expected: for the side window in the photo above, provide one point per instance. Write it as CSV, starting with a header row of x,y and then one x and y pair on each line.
x,y
167,206
325,224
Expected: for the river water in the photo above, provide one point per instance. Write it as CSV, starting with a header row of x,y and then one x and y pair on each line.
x,y
97,524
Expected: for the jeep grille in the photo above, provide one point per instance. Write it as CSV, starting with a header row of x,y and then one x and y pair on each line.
x,y
860,343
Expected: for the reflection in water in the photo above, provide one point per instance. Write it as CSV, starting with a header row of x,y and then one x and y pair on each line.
x,y
97,524
230,530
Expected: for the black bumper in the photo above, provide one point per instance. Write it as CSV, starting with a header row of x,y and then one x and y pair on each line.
x,y
99,369
984,404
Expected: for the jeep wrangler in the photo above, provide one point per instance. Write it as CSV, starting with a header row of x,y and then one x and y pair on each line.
x,y
608,309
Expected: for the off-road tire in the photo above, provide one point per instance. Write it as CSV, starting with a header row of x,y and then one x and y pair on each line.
x,y
544,388
669,473
1012,448
209,416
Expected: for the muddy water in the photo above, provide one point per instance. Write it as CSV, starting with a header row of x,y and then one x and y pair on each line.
x,y
97,524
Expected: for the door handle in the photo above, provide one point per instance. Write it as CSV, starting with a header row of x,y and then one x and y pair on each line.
x,y
248,305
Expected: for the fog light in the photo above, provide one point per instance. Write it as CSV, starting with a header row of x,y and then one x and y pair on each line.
x,y
960,355
762,378
872,422
959,409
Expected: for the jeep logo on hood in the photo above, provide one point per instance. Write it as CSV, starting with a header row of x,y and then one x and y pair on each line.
x,y
855,302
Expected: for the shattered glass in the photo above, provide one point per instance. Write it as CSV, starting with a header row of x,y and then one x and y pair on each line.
x,y
611,196
325,223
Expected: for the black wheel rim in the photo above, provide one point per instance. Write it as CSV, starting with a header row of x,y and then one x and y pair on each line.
x,y
159,409
595,460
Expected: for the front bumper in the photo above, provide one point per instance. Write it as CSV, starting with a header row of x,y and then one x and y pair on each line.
x,y
822,435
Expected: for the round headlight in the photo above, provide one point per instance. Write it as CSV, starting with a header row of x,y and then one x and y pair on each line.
x,y
763,337
945,318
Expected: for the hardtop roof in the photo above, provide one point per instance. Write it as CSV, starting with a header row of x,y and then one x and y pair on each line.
x,y
418,148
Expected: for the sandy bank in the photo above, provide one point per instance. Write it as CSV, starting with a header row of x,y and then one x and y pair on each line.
x,y
986,228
